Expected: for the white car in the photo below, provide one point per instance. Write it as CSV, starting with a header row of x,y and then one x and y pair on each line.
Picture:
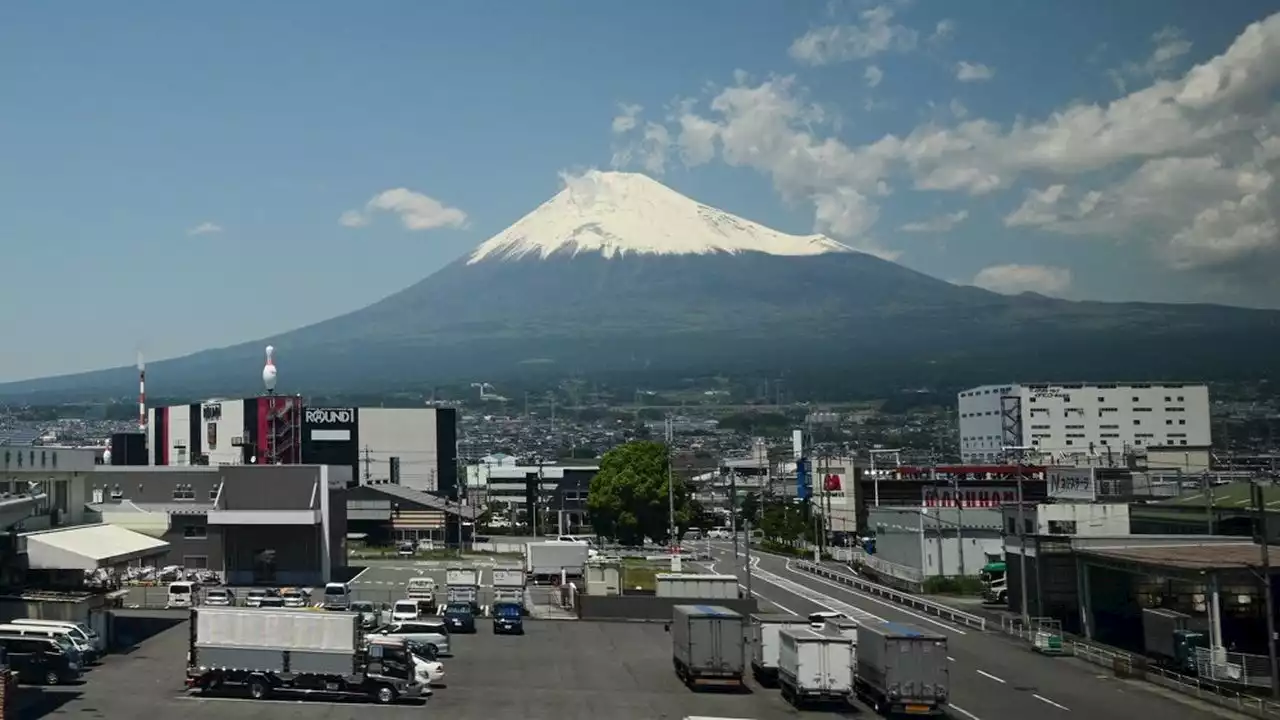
x,y
429,672
427,632
819,619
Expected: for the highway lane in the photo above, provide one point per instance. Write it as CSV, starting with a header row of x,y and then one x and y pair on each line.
x,y
993,677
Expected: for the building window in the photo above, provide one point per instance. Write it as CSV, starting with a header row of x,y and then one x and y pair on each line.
x,y
195,562
213,494
1062,527
184,491
195,532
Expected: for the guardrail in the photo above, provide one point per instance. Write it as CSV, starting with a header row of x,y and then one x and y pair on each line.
x,y
938,610
1128,665
902,572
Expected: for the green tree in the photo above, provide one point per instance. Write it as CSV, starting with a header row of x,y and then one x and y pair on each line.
x,y
628,495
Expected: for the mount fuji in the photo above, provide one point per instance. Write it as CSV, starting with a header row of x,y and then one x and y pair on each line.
x,y
618,275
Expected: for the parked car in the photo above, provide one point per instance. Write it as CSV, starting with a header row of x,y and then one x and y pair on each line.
x,y
255,597
272,601
296,597
368,613
460,618
405,610
427,632
508,619
219,597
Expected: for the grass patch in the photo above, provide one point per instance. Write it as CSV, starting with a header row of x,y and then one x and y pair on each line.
x,y
640,577
952,586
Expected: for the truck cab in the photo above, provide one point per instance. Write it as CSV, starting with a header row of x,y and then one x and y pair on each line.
x,y
995,583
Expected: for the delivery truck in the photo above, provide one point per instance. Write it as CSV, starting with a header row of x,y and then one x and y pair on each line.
x,y
550,560
901,669
508,586
462,587
815,666
270,651
708,646
1170,638
762,637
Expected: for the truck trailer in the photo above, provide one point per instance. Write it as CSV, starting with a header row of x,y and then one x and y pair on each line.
x,y
1168,636
815,666
901,669
708,646
762,635
462,587
273,651
552,559
508,586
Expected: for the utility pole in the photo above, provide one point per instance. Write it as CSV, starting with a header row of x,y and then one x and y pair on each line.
x,y
955,493
1022,548
733,511
671,494
746,525
368,465
1260,507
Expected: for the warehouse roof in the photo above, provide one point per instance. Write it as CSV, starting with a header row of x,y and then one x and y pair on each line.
x,y
1220,556
89,547
1232,496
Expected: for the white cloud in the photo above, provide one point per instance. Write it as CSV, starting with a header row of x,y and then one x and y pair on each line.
x,y
973,72
1014,279
873,35
625,120
205,228
1170,46
1186,164
943,31
939,224
873,75
416,211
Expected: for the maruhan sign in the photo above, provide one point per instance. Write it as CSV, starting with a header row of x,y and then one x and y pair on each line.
x,y
1071,483
330,416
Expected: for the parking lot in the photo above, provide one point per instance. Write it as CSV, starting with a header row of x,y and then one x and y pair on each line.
x,y
560,670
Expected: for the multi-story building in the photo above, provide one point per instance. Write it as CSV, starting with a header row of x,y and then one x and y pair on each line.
x,y
413,447
513,490
1074,422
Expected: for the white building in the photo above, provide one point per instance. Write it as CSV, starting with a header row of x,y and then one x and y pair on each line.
x,y
1082,422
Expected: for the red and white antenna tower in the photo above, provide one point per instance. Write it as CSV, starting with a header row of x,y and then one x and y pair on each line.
x,y
142,394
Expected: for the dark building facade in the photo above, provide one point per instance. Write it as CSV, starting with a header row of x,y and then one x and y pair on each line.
x,y
253,524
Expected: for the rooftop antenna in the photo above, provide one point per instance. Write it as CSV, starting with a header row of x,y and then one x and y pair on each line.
x,y
142,394
269,383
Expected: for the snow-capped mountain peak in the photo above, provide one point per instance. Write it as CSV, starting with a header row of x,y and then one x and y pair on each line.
x,y
617,213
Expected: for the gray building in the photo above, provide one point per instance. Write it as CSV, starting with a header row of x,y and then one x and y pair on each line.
x,y
252,524
938,541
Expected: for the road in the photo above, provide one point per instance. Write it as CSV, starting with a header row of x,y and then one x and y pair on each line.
x,y
992,677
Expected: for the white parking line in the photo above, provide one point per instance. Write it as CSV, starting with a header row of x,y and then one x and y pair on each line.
x,y
986,674
884,603
1044,699
962,711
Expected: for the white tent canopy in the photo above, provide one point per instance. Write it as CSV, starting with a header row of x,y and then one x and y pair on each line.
x,y
89,547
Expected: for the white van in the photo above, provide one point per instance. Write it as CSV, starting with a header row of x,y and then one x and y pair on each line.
x,y
182,594
337,596
87,652
79,630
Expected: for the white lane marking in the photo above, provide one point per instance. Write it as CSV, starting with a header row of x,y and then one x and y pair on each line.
x,y
821,600
891,605
357,575
774,603
962,711
985,674
1044,699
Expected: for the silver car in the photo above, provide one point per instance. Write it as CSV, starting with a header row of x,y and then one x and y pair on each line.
x,y
219,597
428,633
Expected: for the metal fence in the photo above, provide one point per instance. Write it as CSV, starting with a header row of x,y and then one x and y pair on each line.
x,y
1224,666
855,556
943,612
1128,665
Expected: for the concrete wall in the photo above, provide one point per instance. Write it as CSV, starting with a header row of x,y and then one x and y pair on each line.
x,y
647,607
406,433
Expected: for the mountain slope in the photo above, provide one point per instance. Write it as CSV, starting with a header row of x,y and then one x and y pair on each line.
x,y
623,276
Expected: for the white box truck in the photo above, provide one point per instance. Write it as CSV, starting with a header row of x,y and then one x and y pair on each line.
x,y
462,585
271,650
549,560
762,637
708,645
508,585
814,666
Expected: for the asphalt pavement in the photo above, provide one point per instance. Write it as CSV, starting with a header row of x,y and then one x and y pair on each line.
x,y
992,677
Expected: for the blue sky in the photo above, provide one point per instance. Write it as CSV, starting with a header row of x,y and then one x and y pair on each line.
x,y
1095,150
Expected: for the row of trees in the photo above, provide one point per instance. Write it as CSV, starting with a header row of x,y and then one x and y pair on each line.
x,y
628,502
